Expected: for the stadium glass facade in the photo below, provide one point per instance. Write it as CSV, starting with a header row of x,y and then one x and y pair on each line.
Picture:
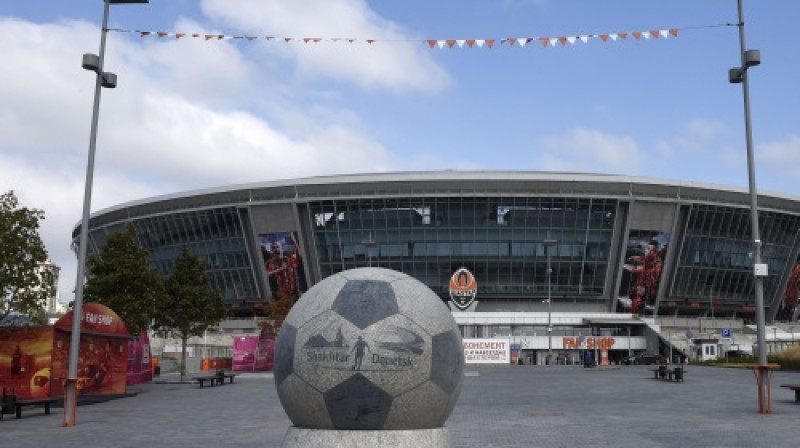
x,y
619,244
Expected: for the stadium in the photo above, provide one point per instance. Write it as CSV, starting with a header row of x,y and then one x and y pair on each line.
x,y
548,260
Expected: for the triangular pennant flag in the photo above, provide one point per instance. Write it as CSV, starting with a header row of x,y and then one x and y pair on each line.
x,y
511,41
250,37
490,43
524,41
179,35
237,37
656,34
144,33
307,39
208,36
480,42
195,35
470,43
287,39
584,39
544,41
664,33
370,41
162,33
450,43
674,32
460,43
353,40
563,40
553,41
646,34
441,43
613,36
221,36
431,43
623,36
572,39
637,34
604,37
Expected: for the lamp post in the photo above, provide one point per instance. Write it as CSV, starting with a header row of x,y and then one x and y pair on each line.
x,y
547,244
737,75
103,79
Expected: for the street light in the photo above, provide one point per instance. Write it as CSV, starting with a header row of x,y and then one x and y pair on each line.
x,y
103,79
547,244
738,75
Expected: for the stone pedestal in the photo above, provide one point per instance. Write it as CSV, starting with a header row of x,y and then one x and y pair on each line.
x,y
331,438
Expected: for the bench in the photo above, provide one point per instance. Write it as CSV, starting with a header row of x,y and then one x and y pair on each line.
x,y
19,404
214,379
665,373
795,388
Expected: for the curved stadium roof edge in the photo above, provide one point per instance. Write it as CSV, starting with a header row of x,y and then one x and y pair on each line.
x,y
669,189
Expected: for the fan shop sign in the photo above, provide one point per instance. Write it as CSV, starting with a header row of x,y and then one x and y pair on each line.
x,y
590,342
487,351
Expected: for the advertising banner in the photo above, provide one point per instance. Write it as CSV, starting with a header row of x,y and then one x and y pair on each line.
x,y
284,263
487,351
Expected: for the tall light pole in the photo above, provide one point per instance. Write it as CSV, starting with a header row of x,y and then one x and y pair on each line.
x,y
103,79
737,75
547,244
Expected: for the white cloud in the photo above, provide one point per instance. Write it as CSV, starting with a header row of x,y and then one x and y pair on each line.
x,y
782,157
394,63
590,150
175,122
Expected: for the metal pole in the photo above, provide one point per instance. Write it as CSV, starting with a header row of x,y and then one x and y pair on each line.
x,y
549,313
71,390
763,373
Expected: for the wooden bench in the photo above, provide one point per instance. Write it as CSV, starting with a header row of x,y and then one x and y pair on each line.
x,y
795,388
19,404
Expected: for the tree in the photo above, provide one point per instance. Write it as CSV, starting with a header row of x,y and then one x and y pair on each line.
x,y
192,304
277,310
24,287
121,278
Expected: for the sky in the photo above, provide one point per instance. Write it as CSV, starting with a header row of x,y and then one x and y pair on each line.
x,y
193,113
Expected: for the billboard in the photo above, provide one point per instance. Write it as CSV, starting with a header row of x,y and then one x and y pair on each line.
x,y
253,353
487,351
644,259
789,308
284,263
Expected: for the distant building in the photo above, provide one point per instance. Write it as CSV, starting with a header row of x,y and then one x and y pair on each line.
x,y
53,307
616,245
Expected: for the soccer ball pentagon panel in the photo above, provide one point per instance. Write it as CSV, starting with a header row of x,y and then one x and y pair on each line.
x,y
369,349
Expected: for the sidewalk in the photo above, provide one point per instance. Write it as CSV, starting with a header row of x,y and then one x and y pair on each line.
x,y
500,406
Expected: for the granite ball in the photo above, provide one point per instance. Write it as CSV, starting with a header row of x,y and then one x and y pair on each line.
x,y
369,349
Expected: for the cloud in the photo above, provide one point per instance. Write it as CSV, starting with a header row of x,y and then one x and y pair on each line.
x,y
185,115
781,157
590,150
394,63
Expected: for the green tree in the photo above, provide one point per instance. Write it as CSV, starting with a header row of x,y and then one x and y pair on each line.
x,y
24,288
192,304
121,278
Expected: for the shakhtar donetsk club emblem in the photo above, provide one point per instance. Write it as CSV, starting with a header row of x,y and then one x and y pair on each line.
x,y
463,288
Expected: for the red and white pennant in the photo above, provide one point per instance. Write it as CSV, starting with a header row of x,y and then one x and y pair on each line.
x,y
432,43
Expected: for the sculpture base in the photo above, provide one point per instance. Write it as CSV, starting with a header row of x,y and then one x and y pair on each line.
x,y
330,438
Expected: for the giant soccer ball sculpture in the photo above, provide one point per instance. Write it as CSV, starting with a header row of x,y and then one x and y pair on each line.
x,y
369,349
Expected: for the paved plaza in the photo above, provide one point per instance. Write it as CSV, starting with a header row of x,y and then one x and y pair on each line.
x,y
500,406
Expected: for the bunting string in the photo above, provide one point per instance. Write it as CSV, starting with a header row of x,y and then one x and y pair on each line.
x,y
435,43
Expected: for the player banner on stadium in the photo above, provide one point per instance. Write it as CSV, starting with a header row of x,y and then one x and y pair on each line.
x,y
487,351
